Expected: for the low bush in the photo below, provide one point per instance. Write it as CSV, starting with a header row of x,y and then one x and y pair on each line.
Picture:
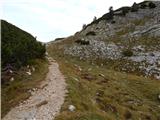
x,y
125,11
151,5
143,6
134,7
113,21
91,33
57,39
82,42
127,53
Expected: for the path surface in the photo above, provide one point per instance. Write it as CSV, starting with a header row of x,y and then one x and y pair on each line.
x,y
46,101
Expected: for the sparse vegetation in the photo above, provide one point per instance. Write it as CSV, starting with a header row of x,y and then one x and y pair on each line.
x,y
139,22
101,88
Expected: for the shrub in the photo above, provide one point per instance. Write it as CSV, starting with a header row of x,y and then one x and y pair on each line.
x,y
113,21
84,26
111,13
18,46
127,53
122,11
143,6
134,7
57,39
151,5
82,42
125,11
95,18
91,33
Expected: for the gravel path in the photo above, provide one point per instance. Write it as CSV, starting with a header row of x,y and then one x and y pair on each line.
x,y
44,102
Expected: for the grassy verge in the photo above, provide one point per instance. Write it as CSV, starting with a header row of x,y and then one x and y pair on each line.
x,y
17,91
99,93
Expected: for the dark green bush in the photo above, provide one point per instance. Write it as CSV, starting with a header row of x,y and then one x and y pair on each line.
x,y
18,46
111,13
151,5
134,7
57,39
91,33
143,6
124,11
113,21
82,42
127,53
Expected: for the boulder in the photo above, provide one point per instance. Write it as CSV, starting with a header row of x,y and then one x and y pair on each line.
x,y
159,97
71,108
12,79
29,72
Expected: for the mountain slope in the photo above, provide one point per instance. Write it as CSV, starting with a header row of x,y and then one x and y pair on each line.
x,y
18,46
23,65
133,38
112,67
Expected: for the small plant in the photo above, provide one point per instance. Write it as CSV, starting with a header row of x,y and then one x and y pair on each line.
x,y
111,13
91,33
127,53
151,5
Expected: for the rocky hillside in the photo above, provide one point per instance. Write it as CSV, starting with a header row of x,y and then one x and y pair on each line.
x,y
129,40
112,66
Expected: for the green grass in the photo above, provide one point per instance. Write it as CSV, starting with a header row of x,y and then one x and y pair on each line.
x,y
114,96
17,90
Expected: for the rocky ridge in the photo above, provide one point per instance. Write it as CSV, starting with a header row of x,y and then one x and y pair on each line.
x,y
136,33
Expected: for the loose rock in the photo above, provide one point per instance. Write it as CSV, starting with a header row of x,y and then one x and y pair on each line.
x,y
71,108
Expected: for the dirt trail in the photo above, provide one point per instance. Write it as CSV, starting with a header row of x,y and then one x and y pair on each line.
x,y
46,101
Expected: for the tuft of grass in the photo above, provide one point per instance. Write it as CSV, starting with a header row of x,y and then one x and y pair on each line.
x,y
17,91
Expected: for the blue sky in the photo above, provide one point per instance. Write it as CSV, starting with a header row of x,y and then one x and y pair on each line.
x,y
50,19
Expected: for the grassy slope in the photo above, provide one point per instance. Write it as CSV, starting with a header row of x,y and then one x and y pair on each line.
x,y
116,96
17,90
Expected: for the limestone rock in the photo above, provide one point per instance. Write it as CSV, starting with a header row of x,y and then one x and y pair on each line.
x,y
71,108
